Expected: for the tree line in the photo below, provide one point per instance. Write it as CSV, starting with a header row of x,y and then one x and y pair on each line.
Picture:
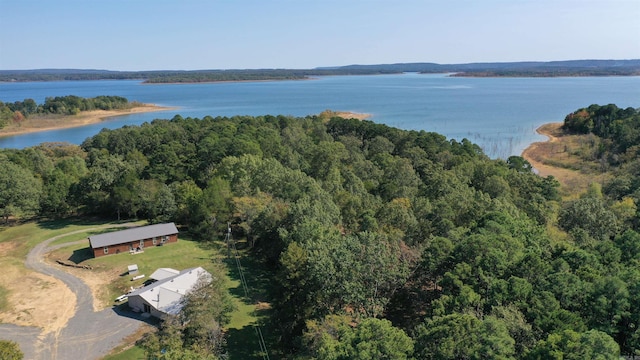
x,y
380,242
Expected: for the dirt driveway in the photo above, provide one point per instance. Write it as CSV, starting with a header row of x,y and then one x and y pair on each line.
x,y
87,335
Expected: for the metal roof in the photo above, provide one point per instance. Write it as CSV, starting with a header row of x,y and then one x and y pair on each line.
x,y
166,295
133,234
163,273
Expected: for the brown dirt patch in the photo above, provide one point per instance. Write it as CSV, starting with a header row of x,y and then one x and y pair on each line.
x,y
261,305
97,280
7,247
30,305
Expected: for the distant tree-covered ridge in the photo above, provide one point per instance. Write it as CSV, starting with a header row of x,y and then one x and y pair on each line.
x,y
377,242
504,69
60,105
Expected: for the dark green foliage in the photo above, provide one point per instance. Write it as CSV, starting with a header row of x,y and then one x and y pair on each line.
x,y
10,350
463,336
334,338
19,190
571,345
618,128
62,105
589,214
359,223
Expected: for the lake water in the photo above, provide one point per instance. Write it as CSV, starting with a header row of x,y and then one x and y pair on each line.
x,y
499,114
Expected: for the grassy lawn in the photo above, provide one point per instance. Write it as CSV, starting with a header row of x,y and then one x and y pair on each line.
x,y
16,241
251,310
24,237
181,255
133,353
242,340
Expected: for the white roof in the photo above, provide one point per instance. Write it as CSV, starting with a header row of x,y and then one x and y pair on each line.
x,y
166,295
163,273
133,234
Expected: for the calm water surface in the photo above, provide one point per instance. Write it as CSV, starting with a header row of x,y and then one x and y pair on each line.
x,y
499,114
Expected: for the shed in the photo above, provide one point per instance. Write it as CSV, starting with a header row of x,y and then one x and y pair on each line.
x,y
132,269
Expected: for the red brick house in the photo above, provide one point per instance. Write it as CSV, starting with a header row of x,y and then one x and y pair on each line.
x,y
134,239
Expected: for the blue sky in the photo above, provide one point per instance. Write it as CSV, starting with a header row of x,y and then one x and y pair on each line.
x,y
250,34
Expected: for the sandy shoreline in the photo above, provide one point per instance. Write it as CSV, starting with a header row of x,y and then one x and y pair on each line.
x,y
54,122
536,153
353,115
39,123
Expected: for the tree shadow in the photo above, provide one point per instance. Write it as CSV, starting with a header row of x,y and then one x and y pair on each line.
x,y
244,343
256,274
63,223
81,255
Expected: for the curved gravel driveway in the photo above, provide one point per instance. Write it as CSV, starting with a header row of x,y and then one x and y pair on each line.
x,y
88,334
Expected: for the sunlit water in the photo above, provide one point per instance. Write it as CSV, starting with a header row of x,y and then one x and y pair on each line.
x,y
499,114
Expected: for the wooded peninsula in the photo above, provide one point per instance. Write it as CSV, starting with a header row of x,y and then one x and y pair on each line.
x,y
376,242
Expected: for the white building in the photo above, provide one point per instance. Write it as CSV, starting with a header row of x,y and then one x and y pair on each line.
x,y
164,297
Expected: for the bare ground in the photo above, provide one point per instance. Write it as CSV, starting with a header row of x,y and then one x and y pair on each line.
x,y
96,280
29,305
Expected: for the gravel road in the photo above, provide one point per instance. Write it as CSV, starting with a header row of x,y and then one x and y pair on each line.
x,y
88,334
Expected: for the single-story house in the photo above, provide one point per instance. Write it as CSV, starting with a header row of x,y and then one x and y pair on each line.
x,y
134,239
164,297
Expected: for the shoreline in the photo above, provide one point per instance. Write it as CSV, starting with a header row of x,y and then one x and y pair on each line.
x,y
46,123
535,152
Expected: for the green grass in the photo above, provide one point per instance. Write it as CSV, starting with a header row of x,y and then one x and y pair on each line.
x,y
186,253
26,236
181,255
242,340
133,353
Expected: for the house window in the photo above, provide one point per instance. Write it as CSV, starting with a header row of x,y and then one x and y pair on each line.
x,y
147,308
165,238
155,240
106,249
141,243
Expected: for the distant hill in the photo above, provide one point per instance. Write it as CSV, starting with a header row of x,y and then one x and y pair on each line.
x,y
524,68
496,69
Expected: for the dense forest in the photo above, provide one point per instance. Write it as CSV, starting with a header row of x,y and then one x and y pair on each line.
x,y
380,242
504,69
59,105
